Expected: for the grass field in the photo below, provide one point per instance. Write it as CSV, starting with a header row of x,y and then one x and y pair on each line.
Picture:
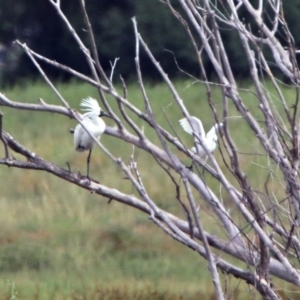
x,y
60,242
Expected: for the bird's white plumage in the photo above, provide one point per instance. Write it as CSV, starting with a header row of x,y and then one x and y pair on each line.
x,y
194,126
92,121
212,134
90,106
92,125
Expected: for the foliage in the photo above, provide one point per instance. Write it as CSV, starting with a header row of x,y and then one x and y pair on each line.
x,y
31,21
243,226
94,251
72,244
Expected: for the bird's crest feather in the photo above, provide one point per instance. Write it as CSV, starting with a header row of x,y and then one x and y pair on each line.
x,y
90,105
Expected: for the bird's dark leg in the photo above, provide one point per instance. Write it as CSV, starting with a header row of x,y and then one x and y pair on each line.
x,y
69,168
88,165
190,168
203,169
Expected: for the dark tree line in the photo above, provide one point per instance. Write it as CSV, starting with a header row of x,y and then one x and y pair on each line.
x,y
35,22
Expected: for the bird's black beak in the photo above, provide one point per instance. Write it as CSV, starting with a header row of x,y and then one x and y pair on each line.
x,y
104,114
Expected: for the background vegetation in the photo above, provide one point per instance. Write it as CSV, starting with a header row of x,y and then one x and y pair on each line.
x,y
65,243
61,242
31,21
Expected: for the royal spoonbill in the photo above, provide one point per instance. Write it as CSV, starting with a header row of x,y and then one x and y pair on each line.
x,y
94,124
194,126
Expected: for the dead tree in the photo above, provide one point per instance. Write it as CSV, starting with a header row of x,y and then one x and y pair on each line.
x,y
272,221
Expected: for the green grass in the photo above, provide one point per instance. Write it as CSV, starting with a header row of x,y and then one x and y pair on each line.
x,y
60,242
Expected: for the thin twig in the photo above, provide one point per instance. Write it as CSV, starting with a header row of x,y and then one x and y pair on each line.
x,y
2,138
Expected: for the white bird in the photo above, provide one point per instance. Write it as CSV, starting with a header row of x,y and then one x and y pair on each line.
x,y
194,126
93,122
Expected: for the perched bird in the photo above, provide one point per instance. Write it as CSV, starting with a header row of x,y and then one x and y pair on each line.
x,y
93,122
194,126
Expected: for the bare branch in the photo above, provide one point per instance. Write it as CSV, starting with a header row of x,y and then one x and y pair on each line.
x,y
258,222
2,138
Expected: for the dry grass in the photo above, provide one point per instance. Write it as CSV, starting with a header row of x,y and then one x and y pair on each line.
x,y
60,242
